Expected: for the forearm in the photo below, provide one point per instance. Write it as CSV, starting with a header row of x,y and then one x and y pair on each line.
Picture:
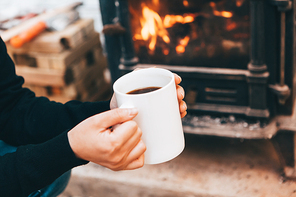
x,y
36,120
26,119
33,167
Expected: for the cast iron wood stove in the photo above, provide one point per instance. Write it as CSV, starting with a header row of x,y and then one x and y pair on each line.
x,y
236,59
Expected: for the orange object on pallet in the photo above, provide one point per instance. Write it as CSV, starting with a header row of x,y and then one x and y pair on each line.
x,y
20,40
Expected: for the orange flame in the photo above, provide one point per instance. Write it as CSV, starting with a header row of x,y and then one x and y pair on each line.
x,y
239,3
182,44
166,51
170,20
152,27
155,2
230,25
224,14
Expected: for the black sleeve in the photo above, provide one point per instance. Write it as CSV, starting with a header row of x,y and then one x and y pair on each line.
x,y
26,119
33,167
39,127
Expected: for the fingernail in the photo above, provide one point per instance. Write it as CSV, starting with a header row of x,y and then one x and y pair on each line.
x,y
179,78
133,111
184,106
183,93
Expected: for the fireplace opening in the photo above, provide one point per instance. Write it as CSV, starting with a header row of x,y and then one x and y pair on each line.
x,y
236,59
228,52
191,33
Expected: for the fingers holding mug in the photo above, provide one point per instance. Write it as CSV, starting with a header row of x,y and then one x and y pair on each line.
x,y
183,108
180,96
180,93
178,79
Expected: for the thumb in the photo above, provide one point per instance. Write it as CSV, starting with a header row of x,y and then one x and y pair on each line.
x,y
116,116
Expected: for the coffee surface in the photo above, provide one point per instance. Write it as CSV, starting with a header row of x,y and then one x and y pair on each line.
x,y
143,90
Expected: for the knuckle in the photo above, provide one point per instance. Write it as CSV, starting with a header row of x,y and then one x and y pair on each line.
x,y
115,153
108,150
114,146
143,146
133,124
181,91
141,163
140,131
113,141
184,106
116,160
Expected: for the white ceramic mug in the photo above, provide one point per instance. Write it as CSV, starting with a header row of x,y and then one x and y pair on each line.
x,y
159,116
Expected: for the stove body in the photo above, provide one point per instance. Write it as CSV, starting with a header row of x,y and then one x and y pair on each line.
x,y
236,59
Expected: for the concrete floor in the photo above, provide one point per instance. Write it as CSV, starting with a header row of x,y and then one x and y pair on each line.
x,y
208,167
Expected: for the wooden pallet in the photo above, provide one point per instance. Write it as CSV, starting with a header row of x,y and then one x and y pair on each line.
x,y
90,85
57,41
56,60
80,74
40,76
65,65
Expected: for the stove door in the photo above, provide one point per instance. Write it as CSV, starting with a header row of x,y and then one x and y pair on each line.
x,y
219,48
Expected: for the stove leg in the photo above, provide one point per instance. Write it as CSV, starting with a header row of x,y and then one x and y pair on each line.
x,y
285,146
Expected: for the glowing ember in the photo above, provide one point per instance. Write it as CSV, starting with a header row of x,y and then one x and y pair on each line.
x,y
185,3
182,44
155,2
170,20
225,14
166,51
230,25
180,49
239,3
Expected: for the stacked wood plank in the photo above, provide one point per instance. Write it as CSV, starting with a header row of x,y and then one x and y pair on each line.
x,y
65,65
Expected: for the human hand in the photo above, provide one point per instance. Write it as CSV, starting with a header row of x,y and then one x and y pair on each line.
x,y
118,149
180,96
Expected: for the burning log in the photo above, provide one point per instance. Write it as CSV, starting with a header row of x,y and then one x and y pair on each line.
x,y
175,34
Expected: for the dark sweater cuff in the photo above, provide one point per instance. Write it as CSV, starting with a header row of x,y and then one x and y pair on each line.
x,y
41,164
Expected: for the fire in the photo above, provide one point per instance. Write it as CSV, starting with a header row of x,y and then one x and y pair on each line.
x,y
170,20
182,44
239,3
166,51
230,25
155,2
225,14
152,27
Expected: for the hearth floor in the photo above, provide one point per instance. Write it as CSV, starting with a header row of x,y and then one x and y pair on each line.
x,y
208,167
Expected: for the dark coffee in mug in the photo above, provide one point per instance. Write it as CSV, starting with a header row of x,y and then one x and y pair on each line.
x,y
143,90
